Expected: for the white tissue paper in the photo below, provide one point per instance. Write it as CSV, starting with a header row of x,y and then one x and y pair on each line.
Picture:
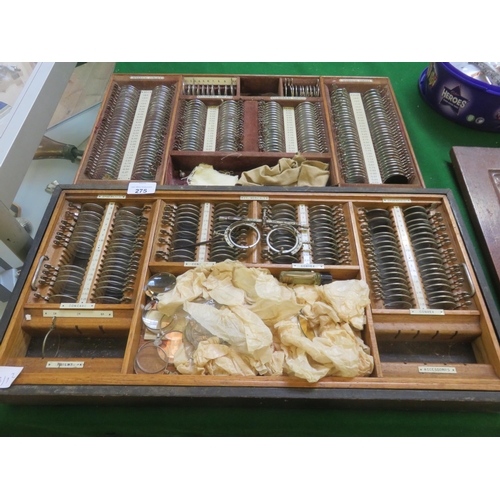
x,y
261,326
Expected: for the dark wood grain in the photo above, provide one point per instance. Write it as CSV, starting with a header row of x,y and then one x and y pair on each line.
x,y
478,174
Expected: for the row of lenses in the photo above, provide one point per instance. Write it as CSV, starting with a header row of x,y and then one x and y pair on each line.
x,y
192,124
398,140
64,281
388,273
329,235
119,266
352,164
152,143
392,154
436,262
440,276
77,234
310,128
392,167
102,132
191,128
110,159
179,236
271,127
112,137
230,126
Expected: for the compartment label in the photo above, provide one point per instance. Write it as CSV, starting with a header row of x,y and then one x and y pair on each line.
x,y
410,260
211,124
142,77
291,144
367,147
96,254
308,266
54,313
359,80
128,161
427,312
304,233
65,364
70,305
437,369
205,223
287,97
396,200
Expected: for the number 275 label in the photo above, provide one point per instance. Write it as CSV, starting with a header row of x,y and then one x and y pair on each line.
x,y
141,188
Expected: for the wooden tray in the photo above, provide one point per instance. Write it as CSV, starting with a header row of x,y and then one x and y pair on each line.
x,y
422,357
176,164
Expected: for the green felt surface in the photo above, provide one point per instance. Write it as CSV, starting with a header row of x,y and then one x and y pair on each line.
x,y
102,421
432,136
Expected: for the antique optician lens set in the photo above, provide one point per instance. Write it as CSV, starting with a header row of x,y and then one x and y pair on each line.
x,y
103,248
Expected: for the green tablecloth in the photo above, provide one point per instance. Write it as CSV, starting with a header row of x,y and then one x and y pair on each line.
x,y
432,137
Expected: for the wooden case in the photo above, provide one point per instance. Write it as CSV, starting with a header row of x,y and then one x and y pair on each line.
x,y
174,160
477,171
423,356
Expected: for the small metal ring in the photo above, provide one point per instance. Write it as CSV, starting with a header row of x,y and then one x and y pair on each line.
x,y
294,232
228,234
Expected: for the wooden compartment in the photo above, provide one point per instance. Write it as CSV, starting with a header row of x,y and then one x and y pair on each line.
x,y
345,260
394,131
313,134
106,159
420,353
